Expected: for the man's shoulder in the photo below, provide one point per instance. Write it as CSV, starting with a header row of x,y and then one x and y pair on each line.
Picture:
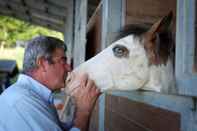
x,y
9,100
14,93
17,99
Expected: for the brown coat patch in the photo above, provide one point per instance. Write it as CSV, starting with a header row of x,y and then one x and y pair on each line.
x,y
158,41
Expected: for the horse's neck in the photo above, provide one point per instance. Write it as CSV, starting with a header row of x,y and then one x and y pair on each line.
x,y
161,78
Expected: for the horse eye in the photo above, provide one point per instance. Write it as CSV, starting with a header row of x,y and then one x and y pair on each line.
x,y
120,51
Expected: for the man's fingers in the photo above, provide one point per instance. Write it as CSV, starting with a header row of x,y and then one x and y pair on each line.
x,y
90,84
92,89
83,79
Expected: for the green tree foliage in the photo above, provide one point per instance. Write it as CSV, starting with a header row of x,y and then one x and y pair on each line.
x,y
12,30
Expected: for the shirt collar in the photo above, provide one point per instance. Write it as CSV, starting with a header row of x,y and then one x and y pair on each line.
x,y
37,87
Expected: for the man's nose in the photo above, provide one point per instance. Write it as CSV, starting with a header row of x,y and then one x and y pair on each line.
x,y
68,67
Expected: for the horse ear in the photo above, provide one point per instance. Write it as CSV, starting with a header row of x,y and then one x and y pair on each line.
x,y
157,40
161,25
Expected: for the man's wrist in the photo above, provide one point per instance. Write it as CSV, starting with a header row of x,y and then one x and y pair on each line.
x,y
81,120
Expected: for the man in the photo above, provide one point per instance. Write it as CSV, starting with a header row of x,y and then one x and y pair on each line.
x,y
27,105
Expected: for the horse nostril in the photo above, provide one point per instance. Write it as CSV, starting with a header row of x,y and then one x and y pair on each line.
x,y
68,67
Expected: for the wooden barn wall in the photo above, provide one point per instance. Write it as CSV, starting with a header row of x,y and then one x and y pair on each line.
x,y
186,77
93,45
79,41
195,55
141,111
94,120
146,12
122,114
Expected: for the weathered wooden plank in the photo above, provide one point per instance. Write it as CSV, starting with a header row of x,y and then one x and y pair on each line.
x,y
3,3
114,122
41,5
111,20
47,24
69,29
80,31
147,12
5,11
22,16
185,106
18,7
93,45
61,3
186,78
195,44
47,17
45,6
15,0
94,120
20,10
101,112
94,18
57,10
138,116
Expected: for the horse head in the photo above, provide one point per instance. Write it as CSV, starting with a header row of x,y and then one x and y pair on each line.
x,y
140,59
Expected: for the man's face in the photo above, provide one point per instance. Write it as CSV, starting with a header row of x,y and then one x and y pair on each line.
x,y
57,70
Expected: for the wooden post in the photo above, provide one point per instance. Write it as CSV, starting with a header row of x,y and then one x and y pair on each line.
x,y
80,19
112,20
186,79
68,32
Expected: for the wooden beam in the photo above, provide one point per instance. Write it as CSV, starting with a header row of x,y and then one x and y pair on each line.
x,y
92,20
61,3
5,11
183,105
112,18
48,25
3,3
69,29
40,13
46,6
186,78
80,32
47,17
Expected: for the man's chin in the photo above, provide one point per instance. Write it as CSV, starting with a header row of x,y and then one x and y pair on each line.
x,y
59,87
63,85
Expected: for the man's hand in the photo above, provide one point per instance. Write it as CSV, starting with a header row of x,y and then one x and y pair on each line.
x,y
85,94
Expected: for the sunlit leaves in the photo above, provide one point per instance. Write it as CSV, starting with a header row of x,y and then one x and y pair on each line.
x,y
12,30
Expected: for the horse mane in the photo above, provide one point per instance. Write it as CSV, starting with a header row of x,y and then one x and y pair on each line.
x,y
134,29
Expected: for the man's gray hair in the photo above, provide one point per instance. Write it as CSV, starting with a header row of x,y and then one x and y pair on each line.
x,y
41,46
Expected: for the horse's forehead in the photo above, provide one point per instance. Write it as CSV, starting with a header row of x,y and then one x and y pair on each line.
x,y
130,41
127,40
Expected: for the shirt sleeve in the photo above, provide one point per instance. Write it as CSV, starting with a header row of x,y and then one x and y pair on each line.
x,y
3,128
70,126
74,129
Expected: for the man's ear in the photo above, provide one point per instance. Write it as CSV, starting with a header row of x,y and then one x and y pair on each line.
x,y
41,63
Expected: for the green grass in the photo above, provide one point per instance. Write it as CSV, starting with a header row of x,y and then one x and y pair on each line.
x,y
13,54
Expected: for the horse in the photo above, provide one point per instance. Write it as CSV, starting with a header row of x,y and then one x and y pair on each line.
x,y
141,59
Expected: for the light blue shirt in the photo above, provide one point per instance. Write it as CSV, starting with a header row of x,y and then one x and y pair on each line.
x,y
27,106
